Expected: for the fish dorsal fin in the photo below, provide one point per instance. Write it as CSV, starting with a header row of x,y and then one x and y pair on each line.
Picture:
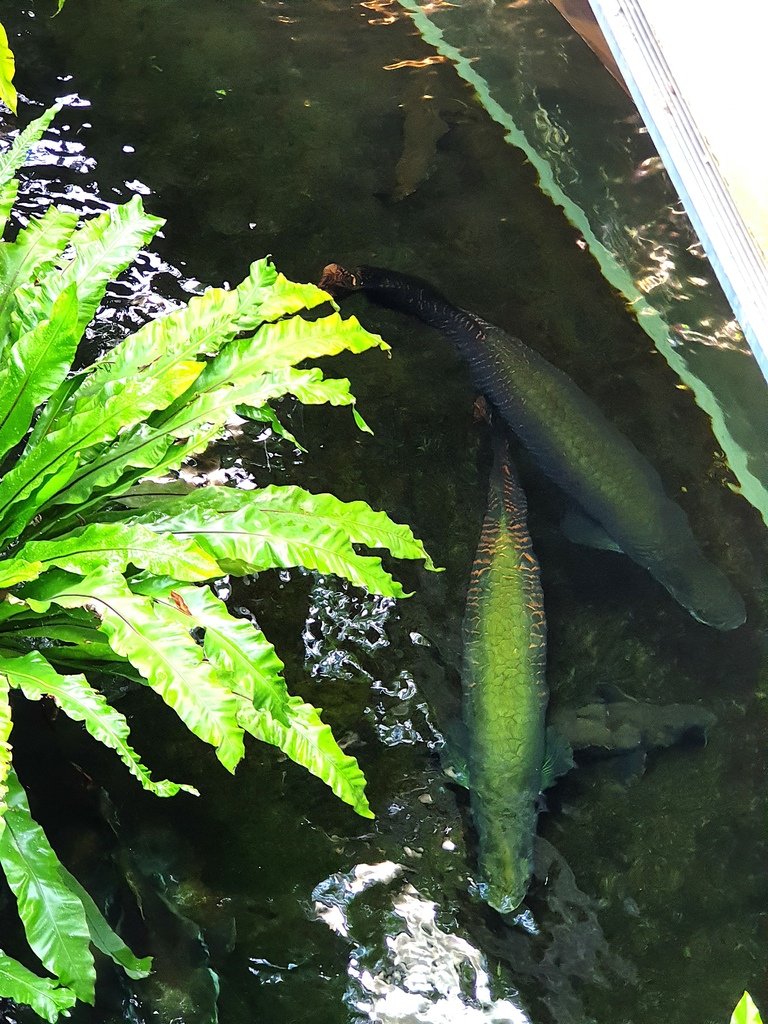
x,y
610,693
558,758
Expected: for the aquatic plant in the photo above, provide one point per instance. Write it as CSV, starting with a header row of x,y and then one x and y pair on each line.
x,y
7,69
98,568
746,1012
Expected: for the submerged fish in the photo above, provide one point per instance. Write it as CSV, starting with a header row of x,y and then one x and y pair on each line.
x,y
504,691
572,442
423,127
619,726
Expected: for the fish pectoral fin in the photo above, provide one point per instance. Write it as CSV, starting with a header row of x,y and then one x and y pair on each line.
x,y
630,766
454,752
558,758
582,529
457,772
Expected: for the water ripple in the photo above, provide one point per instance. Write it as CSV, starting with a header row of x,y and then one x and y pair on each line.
x,y
413,971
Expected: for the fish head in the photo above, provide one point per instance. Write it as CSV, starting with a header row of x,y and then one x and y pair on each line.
x,y
504,895
727,613
338,281
506,863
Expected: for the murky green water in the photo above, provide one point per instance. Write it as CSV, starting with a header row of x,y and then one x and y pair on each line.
x,y
276,127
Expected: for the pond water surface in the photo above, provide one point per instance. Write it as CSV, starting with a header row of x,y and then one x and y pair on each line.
x,y
298,129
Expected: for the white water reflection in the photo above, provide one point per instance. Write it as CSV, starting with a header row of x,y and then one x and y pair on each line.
x,y
423,974
59,171
536,78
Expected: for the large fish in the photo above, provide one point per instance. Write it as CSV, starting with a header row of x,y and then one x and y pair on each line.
x,y
504,691
572,442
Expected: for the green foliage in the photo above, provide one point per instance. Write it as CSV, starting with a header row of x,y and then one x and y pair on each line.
x,y
36,678
280,527
47,998
54,918
101,569
7,69
746,1012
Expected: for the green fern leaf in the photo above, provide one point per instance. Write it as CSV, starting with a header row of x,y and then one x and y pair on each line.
x,y
52,463
149,449
84,643
103,936
115,546
362,524
123,391
53,918
267,295
283,344
8,193
199,328
111,468
265,710
309,742
163,448
746,1012
250,539
120,393
6,724
153,351
52,408
18,570
247,531
46,997
311,388
34,367
101,249
7,69
148,492
79,701
29,256
151,639
265,414
12,159
239,650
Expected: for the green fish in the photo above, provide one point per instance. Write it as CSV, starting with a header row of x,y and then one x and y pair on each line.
x,y
505,691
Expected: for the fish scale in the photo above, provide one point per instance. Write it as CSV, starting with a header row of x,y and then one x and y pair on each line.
x,y
505,692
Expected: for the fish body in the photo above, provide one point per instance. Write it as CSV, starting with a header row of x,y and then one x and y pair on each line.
x,y
572,442
423,127
504,691
620,727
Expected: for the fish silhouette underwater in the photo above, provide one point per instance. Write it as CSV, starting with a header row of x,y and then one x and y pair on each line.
x,y
619,492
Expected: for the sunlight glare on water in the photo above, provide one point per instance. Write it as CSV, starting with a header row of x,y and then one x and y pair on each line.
x,y
426,975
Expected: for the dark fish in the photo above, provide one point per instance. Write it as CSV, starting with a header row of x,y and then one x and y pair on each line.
x,y
571,441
